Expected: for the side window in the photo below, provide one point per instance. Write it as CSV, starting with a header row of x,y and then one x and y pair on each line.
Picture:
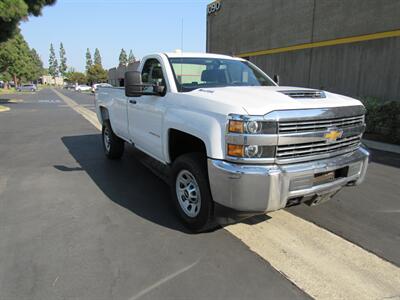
x,y
152,73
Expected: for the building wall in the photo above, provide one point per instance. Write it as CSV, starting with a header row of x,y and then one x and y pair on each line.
x,y
367,68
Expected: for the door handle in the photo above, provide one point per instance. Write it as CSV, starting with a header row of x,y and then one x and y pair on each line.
x,y
132,101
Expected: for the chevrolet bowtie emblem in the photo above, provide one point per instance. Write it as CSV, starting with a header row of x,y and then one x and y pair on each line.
x,y
333,135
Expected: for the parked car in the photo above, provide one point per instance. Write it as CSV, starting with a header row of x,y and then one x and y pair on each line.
x,y
231,139
69,86
82,88
27,88
1,84
97,85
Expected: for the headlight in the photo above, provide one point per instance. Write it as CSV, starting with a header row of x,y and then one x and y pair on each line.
x,y
250,151
252,127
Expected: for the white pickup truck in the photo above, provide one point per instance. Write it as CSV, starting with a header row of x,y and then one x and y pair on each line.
x,y
233,140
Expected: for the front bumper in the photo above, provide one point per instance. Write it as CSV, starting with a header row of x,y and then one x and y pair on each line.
x,y
264,188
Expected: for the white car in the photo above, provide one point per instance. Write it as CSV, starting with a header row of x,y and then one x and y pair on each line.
x,y
230,138
82,88
97,85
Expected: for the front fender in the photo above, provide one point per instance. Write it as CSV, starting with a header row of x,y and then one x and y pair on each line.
x,y
210,128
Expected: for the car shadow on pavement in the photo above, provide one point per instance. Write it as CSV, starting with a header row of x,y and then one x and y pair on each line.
x,y
126,182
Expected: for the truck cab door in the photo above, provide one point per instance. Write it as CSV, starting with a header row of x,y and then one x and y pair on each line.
x,y
145,113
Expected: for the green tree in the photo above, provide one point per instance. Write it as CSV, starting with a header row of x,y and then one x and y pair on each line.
x,y
89,61
13,11
97,57
131,57
63,60
53,63
75,77
35,69
18,61
123,60
96,74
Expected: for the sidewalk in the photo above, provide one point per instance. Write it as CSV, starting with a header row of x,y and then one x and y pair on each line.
x,y
382,146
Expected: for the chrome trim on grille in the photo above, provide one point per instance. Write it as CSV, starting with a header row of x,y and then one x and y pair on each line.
x,y
315,113
319,125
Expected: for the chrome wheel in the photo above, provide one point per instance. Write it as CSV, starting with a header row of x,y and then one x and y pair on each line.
x,y
188,193
106,138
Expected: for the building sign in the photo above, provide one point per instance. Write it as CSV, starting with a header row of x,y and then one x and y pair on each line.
x,y
213,7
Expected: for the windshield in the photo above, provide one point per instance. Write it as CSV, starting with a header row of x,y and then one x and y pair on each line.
x,y
195,73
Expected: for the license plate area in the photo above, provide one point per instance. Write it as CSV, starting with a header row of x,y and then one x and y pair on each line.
x,y
326,177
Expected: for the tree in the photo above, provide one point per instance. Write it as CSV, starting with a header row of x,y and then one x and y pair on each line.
x,y
53,63
97,57
96,74
18,61
13,11
63,60
75,77
89,61
131,57
35,69
123,60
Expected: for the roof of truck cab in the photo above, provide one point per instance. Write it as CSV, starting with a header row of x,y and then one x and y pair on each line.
x,y
199,54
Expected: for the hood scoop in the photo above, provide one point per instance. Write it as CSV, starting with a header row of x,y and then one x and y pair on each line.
x,y
304,94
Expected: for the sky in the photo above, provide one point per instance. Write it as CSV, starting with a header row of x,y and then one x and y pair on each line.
x,y
145,26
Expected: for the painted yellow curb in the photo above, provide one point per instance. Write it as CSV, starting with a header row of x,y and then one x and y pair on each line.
x,y
4,108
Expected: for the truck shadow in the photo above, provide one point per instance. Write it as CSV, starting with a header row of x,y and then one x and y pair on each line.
x,y
127,182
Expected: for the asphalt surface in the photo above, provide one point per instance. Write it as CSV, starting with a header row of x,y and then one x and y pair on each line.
x,y
75,225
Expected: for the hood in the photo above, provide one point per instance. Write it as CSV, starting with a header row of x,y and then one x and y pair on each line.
x,y
259,100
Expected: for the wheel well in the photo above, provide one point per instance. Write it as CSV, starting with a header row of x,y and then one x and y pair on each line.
x,y
180,143
104,114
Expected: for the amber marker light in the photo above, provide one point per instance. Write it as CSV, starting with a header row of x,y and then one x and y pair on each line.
x,y
236,126
235,150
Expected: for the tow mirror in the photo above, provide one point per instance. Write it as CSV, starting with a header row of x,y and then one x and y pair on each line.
x,y
276,78
133,84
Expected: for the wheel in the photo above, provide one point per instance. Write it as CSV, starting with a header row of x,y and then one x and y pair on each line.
x,y
190,192
113,145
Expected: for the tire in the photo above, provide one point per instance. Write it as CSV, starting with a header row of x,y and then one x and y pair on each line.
x,y
194,208
113,146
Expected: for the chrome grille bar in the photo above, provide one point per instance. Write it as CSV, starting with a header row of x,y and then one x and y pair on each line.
x,y
319,125
315,148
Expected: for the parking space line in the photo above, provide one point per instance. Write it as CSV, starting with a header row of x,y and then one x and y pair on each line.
x,y
322,264
319,262
86,113
4,108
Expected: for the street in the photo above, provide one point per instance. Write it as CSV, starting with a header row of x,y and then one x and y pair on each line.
x,y
74,225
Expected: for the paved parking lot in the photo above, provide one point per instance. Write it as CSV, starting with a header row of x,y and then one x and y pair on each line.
x,y
74,225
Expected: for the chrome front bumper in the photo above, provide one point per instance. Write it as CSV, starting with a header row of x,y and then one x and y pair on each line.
x,y
264,188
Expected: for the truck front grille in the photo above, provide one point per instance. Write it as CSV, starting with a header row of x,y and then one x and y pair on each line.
x,y
316,148
319,125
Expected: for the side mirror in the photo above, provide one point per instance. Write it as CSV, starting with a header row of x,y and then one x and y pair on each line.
x,y
133,84
276,78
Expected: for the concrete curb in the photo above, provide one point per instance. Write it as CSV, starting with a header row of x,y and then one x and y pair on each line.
x,y
382,146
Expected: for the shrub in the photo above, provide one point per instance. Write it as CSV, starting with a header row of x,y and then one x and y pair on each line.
x,y
383,119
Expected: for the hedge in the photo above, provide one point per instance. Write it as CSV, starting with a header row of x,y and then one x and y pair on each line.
x,y
383,120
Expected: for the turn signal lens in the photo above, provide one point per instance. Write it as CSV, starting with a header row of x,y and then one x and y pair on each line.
x,y
235,150
236,126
